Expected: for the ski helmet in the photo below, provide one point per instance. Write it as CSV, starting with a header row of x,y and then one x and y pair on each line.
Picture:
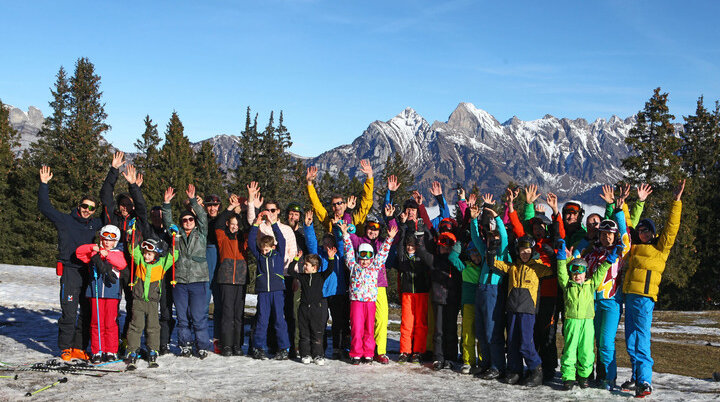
x,y
574,206
365,252
110,232
577,266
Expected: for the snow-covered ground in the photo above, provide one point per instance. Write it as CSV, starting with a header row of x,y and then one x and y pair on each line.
x,y
29,310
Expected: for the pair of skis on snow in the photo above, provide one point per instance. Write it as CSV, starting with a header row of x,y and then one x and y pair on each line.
x,y
80,368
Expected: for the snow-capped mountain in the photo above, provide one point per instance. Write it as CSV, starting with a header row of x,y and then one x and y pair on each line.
x,y
570,157
27,124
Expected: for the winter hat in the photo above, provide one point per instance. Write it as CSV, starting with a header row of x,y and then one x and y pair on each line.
x,y
446,225
110,232
525,242
365,252
411,203
648,223
186,213
574,206
446,239
212,199
294,206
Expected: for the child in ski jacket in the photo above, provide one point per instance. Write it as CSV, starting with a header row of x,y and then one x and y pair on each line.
x,y
269,285
105,262
312,311
363,292
151,264
523,288
578,327
415,288
231,278
470,270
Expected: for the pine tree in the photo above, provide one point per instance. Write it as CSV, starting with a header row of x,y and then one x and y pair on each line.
x,y
247,169
148,163
656,160
176,159
8,165
208,175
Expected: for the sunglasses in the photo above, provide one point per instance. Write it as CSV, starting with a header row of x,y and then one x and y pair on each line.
x,y
109,235
593,224
189,219
338,203
271,210
366,255
88,207
643,229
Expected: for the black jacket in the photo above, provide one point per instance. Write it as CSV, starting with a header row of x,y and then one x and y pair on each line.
x,y
414,273
110,215
445,279
73,230
311,285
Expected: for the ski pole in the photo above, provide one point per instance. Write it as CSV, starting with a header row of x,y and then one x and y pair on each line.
x,y
64,379
173,282
97,308
14,377
132,257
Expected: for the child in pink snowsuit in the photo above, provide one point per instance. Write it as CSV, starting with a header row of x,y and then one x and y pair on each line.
x,y
363,293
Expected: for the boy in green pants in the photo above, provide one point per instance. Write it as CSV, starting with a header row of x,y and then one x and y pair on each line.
x,y
578,330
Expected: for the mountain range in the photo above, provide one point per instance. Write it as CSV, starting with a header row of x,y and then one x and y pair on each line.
x,y
569,157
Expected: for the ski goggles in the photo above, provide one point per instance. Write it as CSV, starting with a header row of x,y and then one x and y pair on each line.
x,y
88,207
373,225
148,246
608,226
577,266
446,240
365,255
109,235
446,225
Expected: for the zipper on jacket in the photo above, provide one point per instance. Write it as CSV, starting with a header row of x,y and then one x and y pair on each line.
x,y
234,267
267,268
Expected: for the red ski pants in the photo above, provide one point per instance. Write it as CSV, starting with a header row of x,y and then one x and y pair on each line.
x,y
108,335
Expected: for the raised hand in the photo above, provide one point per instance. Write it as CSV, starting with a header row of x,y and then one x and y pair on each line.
x,y
234,202
190,191
169,194
472,199
417,197
308,217
117,160
403,217
436,189
311,174
531,193
540,208
351,202
139,180
262,215
488,199
258,201
199,200
551,200
679,190
45,174
461,193
608,194
130,174
625,191
366,168
331,251
342,225
392,183
491,212
474,212
643,191
253,189
510,195
392,231
389,210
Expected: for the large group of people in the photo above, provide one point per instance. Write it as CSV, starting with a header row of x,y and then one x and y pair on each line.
x,y
512,275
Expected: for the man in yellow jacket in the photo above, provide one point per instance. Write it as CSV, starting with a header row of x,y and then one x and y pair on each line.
x,y
339,204
645,265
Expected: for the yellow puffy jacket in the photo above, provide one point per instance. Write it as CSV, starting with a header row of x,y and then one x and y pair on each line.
x,y
523,284
366,203
646,262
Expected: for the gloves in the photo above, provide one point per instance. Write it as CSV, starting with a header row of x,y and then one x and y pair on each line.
x,y
173,229
457,247
351,228
493,247
105,269
548,250
615,253
560,245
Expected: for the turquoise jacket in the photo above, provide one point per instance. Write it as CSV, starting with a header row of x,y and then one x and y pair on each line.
x,y
491,276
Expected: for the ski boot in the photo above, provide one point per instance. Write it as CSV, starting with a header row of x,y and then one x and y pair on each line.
x,y
490,374
227,351
382,359
367,360
237,351
67,355
465,369
568,385
306,360
416,358
355,361
511,378
259,354
283,354
202,354
186,350
131,360
583,382
97,358
164,349
438,365
535,378
643,390
403,358
628,385
319,360
152,359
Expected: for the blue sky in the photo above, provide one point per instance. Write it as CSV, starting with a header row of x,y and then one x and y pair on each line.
x,y
333,67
